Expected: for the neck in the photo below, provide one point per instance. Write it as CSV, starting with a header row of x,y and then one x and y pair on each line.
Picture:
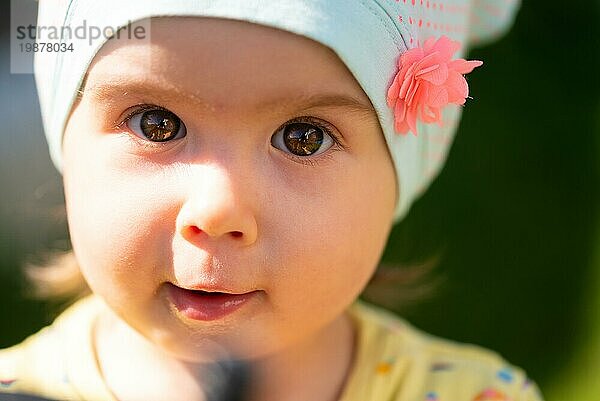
x,y
130,363
316,369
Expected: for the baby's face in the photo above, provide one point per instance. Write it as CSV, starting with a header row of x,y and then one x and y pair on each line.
x,y
226,165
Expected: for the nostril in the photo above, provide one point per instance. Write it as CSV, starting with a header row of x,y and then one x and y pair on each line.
x,y
195,230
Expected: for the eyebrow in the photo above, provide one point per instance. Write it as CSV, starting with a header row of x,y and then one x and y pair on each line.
x,y
171,94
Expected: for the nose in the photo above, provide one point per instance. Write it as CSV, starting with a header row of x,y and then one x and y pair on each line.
x,y
216,209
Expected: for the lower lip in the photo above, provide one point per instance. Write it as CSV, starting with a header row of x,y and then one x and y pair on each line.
x,y
199,305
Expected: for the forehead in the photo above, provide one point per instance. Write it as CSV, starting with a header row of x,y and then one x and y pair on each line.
x,y
231,63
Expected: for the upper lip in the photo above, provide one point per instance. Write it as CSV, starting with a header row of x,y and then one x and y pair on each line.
x,y
213,288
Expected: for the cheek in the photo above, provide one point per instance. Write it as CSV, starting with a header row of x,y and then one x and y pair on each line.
x,y
114,220
333,238
110,232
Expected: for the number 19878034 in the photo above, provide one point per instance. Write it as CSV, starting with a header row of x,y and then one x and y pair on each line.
x,y
46,47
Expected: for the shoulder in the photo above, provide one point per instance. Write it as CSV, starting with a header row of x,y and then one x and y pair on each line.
x,y
431,368
40,365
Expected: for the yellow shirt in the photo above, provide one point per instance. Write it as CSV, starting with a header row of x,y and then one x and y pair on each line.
x,y
394,362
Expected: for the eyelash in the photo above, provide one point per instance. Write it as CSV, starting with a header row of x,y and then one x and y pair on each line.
x,y
122,125
327,129
306,160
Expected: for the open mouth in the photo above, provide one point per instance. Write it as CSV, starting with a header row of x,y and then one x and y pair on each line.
x,y
205,305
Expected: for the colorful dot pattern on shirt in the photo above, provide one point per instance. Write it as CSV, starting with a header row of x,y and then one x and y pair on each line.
x,y
5,383
505,375
441,377
491,394
384,367
431,396
441,366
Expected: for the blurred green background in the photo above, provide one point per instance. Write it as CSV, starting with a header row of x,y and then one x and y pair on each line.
x,y
515,210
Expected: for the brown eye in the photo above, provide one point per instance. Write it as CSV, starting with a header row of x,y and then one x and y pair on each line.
x,y
157,125
302,139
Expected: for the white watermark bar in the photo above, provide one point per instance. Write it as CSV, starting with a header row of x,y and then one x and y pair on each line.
x,y
63,34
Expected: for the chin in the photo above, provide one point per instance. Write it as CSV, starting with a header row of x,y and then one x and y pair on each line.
x,y
212,344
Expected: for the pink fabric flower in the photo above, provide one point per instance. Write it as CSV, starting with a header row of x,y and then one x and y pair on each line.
x,y
427,81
